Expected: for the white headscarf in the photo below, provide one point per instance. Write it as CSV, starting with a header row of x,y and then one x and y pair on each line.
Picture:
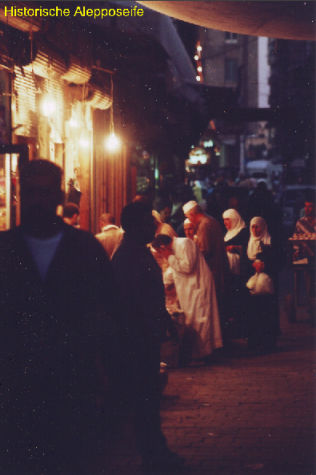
x,y
236,221
254,242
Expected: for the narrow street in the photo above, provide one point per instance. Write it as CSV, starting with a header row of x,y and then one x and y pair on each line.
x,y
243,414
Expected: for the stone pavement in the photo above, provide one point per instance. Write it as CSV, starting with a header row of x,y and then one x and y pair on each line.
x,y
243,414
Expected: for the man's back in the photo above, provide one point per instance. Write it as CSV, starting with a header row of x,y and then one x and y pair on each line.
x,y
140,283
51,331
110,238
211,243
144,322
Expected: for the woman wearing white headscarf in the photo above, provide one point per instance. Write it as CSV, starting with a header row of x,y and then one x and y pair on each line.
x,y
259,237
235,239
261,247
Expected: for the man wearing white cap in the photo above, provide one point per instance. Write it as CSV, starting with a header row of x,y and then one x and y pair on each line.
x,y
210,240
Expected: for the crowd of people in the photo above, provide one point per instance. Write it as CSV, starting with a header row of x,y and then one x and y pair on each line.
x,y
83,319
213,274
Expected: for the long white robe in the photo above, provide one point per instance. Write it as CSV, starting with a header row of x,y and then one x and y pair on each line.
x,y
197,296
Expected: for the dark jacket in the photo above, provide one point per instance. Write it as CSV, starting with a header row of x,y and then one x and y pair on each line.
x,y
142,293
50,333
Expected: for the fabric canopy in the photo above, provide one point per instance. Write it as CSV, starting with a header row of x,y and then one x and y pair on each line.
x,y
278,19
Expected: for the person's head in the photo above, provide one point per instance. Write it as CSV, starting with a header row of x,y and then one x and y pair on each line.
x,y
71,214
106,219
258,226
145,198
165,213
193,212
41,193
309,208
231,219
138,222
163,206
228,223
189,228
162,242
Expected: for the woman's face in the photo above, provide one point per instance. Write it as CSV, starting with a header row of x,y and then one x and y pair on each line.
x,y
228,223
256,229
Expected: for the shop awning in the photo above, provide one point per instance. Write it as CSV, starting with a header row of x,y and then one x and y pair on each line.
x,y
279,19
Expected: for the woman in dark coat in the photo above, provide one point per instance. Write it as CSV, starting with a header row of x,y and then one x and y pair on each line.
x,y
235,240
262,247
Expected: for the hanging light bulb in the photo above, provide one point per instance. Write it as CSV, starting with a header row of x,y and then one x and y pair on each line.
x,y
112,142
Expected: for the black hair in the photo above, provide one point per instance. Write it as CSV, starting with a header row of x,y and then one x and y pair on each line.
x,y
41,167
134,214
70,209
162,203
161,240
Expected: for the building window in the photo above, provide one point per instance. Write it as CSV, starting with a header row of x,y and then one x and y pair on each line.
x,y
230,37
231,70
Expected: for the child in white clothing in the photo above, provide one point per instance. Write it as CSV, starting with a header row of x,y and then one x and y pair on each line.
x,y
262,307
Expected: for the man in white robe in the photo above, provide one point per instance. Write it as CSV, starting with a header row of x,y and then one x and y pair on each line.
x,y
196,292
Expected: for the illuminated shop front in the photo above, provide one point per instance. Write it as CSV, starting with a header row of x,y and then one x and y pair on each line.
x,y
52,104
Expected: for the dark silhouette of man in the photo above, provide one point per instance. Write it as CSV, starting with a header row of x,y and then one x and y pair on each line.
x,y
71,213
56,300
145,322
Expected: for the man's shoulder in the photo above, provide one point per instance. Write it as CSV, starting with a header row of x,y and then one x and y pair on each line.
x,y
81,240
7,239
100,236
7,235
78,234
304,221
113,231
132,257
208,222
183,243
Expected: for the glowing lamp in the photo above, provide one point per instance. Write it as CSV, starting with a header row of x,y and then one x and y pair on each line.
x,y
112,142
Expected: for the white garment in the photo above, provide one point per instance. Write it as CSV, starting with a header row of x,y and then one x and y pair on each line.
x,y
196,293
254,244
237,223
110,238
234,262
260,284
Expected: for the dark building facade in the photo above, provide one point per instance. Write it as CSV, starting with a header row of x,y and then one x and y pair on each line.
x,y
292,85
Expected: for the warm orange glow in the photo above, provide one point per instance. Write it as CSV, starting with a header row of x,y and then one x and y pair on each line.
x,y
112,142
